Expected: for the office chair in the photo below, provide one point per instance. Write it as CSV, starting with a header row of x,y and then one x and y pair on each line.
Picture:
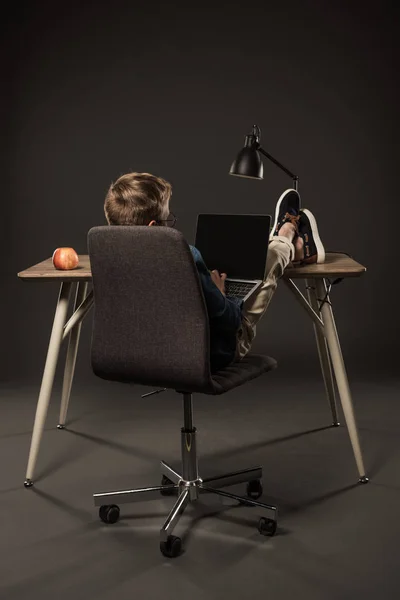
x,y
151,328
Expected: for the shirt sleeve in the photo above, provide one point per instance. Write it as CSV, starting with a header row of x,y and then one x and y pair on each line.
x,y
227,311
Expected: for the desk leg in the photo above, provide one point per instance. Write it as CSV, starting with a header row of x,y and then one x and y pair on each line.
x,y
323,352
341,377
70,361
48,377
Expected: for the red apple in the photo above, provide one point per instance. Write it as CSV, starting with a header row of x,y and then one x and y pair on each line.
x,y
65,259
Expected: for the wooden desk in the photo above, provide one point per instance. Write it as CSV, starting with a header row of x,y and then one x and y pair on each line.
x,y
44,271
335,265
317,305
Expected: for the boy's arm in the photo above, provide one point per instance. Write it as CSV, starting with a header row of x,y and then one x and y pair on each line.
x,y
227,311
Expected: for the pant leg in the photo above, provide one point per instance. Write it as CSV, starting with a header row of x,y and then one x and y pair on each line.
x,y
280,253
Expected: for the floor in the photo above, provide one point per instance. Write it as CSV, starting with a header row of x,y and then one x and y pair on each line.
x,y
336,539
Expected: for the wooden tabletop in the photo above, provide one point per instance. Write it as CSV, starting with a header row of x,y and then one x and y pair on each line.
x,y
45,271
335,265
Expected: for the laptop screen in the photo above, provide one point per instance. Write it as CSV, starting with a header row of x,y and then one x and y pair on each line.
x,y
234,244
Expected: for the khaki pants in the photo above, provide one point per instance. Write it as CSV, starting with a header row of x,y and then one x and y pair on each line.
x,y
280,253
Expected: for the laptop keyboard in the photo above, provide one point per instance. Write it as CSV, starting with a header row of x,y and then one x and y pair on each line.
x,y
237,289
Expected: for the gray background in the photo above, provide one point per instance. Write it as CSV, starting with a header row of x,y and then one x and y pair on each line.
x,y
95,91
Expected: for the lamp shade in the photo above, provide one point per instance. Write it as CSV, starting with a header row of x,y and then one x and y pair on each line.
x,y
248,162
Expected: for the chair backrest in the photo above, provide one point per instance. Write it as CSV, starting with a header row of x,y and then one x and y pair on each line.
x,y
150,318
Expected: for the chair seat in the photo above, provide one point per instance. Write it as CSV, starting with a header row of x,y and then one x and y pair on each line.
x,y
240,371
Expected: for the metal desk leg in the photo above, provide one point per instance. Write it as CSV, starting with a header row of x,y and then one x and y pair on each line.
x,y
48,377
341,377
70,361
323,352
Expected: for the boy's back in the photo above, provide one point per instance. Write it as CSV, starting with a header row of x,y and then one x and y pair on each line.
x,y
225,317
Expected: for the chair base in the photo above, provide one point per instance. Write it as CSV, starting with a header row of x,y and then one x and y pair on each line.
x,y
188,492
189,486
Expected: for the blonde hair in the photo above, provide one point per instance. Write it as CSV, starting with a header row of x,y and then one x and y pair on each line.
x,y
137,199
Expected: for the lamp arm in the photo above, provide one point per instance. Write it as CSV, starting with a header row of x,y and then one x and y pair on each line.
x,y
278,164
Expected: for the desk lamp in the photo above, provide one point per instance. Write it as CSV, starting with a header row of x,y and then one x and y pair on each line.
x,y
248,162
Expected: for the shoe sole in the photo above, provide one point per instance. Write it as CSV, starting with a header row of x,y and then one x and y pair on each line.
x,y
314,228
278,207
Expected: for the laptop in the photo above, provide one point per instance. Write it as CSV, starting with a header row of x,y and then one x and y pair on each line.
x,y
236,245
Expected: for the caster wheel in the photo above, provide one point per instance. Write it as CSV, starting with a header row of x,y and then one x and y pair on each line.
x,y
166,481
172,547
254,489
267,526
109,513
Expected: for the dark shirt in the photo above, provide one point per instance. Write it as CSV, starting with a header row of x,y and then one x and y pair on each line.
x,y
225,317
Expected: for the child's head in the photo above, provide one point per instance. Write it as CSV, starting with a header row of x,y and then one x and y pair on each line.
x,y
137,199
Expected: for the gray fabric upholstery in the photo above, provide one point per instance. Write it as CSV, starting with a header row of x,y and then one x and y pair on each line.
x,y
150,323
239,372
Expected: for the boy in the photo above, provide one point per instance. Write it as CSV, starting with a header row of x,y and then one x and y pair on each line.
x,y
143,199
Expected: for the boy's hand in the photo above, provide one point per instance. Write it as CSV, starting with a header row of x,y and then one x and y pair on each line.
x,y
219,280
